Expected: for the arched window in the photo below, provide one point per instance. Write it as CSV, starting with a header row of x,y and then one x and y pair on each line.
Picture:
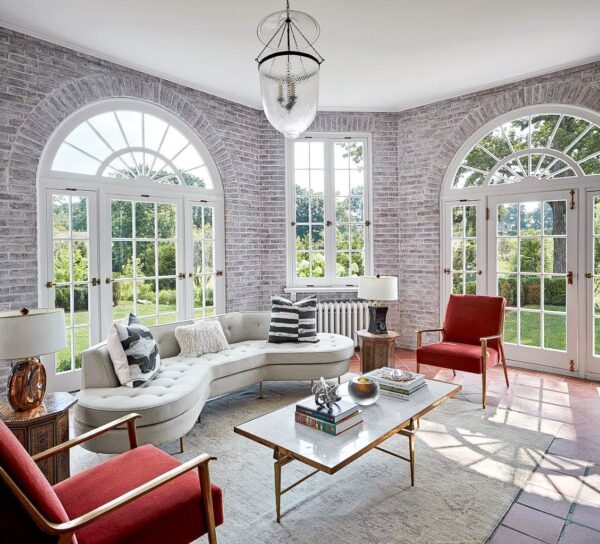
x,y
521,219
548,145
131,221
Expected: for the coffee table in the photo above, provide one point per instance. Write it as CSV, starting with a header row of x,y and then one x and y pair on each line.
x,y
291,441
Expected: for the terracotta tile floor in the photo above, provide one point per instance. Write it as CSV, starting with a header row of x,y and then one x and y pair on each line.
x,y
560,503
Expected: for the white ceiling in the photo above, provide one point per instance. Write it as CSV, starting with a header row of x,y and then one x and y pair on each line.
x,y
380,55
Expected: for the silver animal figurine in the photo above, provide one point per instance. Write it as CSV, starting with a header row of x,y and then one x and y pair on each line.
x,y
325,394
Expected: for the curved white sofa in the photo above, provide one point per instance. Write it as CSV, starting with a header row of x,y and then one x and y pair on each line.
x,y
171,402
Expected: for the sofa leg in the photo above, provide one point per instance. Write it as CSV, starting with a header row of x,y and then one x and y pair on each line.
x,y
312,383
339,380
260,390
181,446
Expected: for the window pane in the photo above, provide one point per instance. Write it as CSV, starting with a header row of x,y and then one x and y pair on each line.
x,y
555,293
530,292
318,264
530,218
555,332
317,237
62,261
301,157
62,299
302,207
342,264
167,296
510,326
122,257
507,288
507,254
317,155
167,265
122,299
507,220
458,254
555,255
145,303
530,329
317,182
80,260
79,217
316,209
144,220
166,221
531,254
357,266
146,264
458,283
122,218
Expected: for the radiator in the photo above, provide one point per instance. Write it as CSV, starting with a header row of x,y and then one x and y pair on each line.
x,y
343,317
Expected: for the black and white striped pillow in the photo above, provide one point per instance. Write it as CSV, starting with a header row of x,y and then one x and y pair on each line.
x,y
307,319
284,321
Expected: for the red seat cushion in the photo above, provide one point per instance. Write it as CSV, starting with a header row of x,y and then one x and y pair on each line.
x,y
465,357
15,524
172,513
471,317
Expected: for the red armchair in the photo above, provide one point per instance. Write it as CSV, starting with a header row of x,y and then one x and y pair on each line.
x,y
471,337
141,496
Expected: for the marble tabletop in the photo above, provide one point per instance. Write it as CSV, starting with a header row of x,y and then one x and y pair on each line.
x,y
278,430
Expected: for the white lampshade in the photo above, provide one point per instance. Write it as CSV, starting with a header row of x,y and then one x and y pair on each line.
x,y
378,287
39,332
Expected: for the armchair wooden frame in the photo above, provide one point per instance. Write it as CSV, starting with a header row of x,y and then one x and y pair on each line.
x,y
65,531
484,357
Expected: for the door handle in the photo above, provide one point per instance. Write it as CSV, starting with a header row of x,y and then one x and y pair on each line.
x,y
95,282
589,276
446,271
570,277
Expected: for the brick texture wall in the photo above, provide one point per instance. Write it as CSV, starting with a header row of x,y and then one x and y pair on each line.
x,y
41,84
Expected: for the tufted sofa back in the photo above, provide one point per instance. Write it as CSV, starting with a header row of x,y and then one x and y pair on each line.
x,y
97,368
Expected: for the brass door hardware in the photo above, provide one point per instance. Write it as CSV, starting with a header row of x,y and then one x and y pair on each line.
x,y
50,284
572,203
108,281
181,275
95,282
367,223
487,214
219,273
293,223
570,277
328,223
589,275
479,272
190,275
446,271
572,365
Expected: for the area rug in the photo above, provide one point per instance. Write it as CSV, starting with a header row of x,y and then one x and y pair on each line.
x,y
470,465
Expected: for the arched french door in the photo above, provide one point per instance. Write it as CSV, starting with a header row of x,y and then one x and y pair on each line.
x,y
130,221
520,218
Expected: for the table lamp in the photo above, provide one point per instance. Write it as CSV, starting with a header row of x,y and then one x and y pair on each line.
x,y
24,336
377,289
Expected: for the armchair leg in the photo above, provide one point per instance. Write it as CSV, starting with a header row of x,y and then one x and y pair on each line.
x,y
260,390
65,538
483,386
209,513
454,372
504,363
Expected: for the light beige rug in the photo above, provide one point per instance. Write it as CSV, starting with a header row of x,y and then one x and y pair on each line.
x,y
470,465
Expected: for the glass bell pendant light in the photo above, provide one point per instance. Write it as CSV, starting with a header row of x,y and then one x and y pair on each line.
x,y
288,67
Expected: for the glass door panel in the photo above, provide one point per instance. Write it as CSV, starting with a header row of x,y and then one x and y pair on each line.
x,y
592,288
203,266
463,254
533,259
144,257
71,281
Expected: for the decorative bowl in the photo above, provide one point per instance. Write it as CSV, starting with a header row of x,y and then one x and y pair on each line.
x,y
363,390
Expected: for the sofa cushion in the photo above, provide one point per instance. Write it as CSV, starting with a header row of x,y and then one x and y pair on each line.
x,y
175,389
204,336
172,513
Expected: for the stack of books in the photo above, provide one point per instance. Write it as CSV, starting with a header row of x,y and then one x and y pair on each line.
x,y
399,388
339,418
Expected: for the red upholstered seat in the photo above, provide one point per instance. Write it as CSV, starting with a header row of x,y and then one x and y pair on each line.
x,y
171,513
15,524
465,357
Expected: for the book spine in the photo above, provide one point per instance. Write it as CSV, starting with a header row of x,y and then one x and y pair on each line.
x,y
315,423
400,392
316,415
400,387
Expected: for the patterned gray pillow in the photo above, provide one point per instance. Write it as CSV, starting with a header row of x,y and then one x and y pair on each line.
x,y
140,349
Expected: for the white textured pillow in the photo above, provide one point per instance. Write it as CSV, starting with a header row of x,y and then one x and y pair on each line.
x,y
201,337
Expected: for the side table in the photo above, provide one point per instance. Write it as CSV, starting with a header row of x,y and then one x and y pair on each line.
x,y
376,350
42,428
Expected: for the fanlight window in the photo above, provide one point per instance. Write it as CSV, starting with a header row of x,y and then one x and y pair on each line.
x,y
132,145
540,146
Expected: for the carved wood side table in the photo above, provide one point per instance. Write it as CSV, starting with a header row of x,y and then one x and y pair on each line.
x,y
42,428
376,350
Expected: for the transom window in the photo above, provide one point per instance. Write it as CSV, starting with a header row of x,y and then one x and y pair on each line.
x,y
128,144
328,210
543,146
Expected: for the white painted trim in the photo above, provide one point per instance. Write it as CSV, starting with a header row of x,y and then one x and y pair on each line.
x,y
329,283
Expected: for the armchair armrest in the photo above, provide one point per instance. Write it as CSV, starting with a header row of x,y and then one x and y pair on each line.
x,y
488,338
420,335
128,419
69,527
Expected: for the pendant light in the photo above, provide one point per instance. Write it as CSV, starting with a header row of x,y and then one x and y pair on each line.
x,y
289,67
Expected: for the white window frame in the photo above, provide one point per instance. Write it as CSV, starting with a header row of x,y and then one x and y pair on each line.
x,y
105,188
329,283
482,195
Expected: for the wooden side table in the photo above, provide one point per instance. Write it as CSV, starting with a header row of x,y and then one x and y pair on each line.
x,y
42,428
376,350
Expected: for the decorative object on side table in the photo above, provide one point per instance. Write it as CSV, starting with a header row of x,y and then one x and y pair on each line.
x,y
42,428
376,350
24,336
363,390
377,289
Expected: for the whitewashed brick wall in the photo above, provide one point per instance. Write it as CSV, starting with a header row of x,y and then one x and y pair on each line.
x,y
41,84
